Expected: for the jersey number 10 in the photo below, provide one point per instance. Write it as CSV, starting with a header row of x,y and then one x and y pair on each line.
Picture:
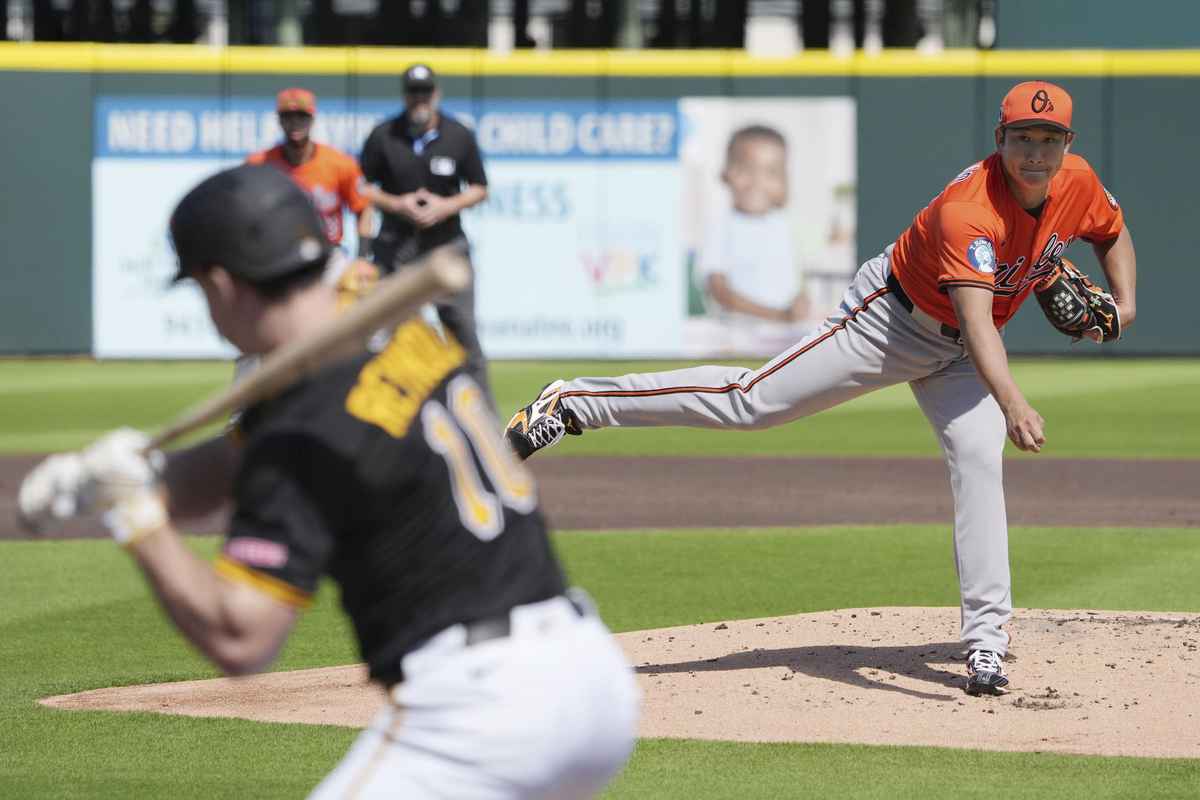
x,y
466,435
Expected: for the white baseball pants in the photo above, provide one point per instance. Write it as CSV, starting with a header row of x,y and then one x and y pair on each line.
x,y
549,711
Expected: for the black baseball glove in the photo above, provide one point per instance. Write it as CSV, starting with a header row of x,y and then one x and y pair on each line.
x,y
1076,306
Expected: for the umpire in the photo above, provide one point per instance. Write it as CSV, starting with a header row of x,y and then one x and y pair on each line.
x,y
426,168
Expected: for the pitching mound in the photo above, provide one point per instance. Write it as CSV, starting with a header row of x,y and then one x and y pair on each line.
x,y
1083,682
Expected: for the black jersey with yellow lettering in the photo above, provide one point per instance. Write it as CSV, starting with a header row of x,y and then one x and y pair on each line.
x,y
389,474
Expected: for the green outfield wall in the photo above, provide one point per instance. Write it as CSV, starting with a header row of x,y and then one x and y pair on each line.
x,y
916,122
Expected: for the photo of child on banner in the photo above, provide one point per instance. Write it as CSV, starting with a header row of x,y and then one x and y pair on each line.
x,y
775,238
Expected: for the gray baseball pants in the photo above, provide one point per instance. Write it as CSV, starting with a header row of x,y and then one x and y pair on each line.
x,y
870,342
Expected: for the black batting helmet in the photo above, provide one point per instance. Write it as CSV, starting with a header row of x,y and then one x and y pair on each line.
x,y
252,220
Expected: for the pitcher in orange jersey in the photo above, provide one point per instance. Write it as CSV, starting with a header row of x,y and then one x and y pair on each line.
x,y
998,224
332,180
926,311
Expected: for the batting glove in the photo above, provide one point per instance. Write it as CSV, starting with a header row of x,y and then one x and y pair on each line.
x,y
124,473
56,489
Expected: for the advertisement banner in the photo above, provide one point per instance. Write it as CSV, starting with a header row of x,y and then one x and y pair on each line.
x,y
768,225
590,244
136,313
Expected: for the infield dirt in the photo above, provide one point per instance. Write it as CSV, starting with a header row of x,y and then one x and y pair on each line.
x,y
611,493
1085,682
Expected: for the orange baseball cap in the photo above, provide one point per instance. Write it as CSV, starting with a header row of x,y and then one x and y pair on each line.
x,y
1036,103
296,99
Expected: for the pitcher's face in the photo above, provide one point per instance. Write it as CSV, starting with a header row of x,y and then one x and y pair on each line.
x,y
1032,155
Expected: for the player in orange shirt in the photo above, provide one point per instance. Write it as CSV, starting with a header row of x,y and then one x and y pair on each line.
x,y
998,225
332,179
926,311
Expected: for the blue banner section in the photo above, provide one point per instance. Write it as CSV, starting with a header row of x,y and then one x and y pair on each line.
x,y
179,127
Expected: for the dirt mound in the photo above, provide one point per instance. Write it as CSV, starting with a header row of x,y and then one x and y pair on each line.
x,y
1083,682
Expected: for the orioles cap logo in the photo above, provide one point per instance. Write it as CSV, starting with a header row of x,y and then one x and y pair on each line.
x,y
1041,102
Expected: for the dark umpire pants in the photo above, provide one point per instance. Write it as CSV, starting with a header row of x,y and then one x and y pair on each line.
x,y
456,312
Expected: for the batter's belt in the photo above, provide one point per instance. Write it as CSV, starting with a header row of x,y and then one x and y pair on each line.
x,y
482,630
918,314
501,626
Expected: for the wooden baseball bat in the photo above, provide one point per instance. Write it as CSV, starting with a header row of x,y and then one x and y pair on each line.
x,y
394,299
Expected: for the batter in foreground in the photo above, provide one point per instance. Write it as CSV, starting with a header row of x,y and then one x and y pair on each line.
x,y
927,311
389,474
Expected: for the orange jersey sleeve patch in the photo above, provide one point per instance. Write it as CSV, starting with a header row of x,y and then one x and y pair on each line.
x,y
965,246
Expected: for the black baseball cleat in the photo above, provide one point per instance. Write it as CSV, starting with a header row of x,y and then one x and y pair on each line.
x,y
985,673
542,423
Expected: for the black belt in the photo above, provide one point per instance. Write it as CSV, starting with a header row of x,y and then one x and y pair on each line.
x,y
902,297
490,628
483,630
499,626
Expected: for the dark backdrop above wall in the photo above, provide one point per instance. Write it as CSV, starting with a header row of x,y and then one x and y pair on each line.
x,y
1097,24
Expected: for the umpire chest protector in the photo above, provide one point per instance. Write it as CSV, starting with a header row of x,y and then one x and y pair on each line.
x,y
441,161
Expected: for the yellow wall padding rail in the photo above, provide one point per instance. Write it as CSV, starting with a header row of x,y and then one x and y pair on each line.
x,y
164,58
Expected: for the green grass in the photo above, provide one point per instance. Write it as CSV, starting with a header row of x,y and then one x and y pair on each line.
x,y
663,578
675,770
65,754
1110,408
76,615
57,405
